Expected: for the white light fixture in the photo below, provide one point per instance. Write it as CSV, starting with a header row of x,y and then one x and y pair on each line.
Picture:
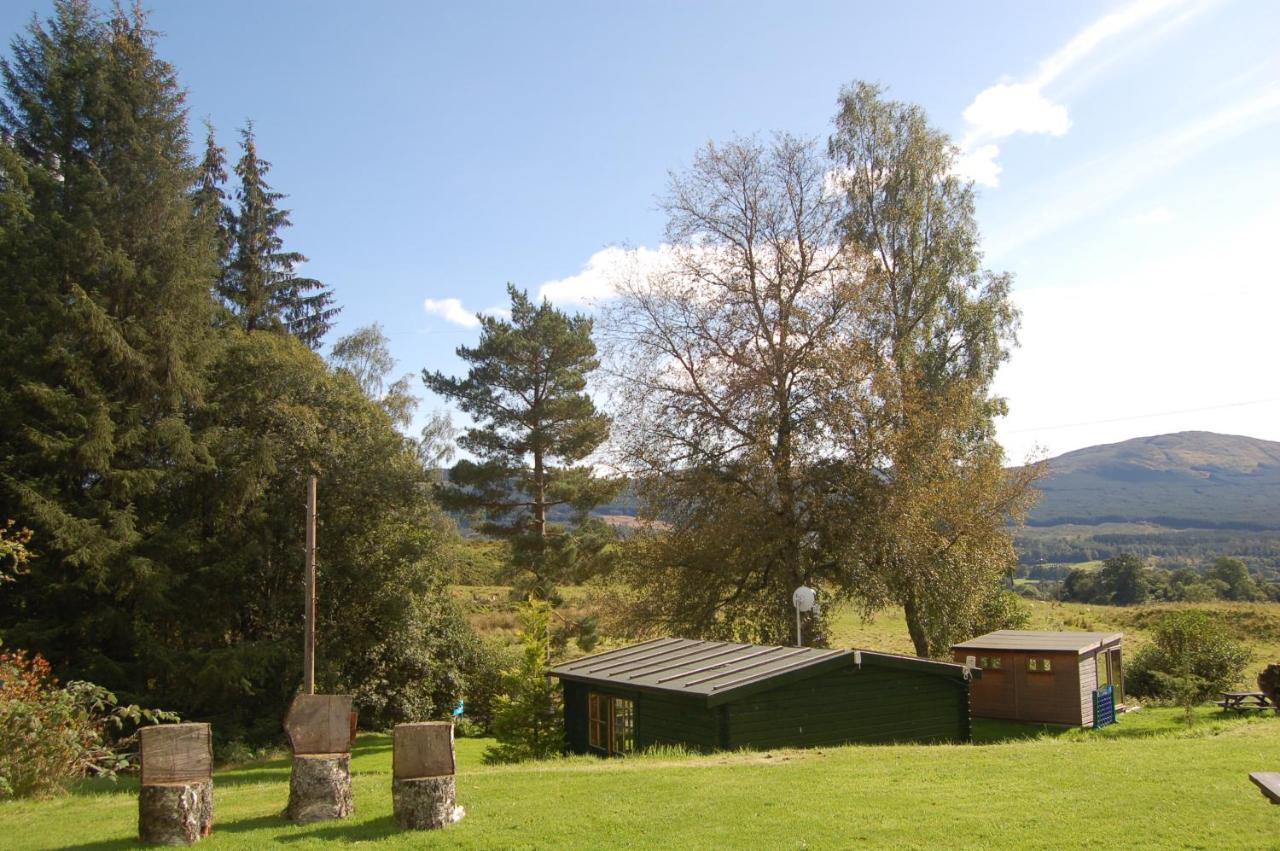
x,y
804,599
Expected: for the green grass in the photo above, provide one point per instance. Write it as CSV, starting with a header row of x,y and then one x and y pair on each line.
x,y
1146,782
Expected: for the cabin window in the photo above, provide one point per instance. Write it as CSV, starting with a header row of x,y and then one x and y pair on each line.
x,y
611,723
1039,665
990,663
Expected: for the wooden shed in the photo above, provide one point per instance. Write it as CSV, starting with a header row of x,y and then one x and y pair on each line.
x,y
708,695
1029,675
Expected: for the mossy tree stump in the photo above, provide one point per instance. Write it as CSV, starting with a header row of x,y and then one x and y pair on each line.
x,y
175,803
423,792
175,813
320,788
321,729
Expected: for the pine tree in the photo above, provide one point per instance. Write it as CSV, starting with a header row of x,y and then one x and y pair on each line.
x,y
526,389
260,286
105,325
209,200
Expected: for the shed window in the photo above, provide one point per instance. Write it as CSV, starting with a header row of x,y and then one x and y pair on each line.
x,y
1039,665
990,663
611,723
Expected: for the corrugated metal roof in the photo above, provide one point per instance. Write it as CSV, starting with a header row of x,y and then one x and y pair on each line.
x,y
1030,639
712,669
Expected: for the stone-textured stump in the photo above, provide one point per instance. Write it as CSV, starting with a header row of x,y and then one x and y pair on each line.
x,y
423,792
422,803
321,728
175,803
175,813
320,788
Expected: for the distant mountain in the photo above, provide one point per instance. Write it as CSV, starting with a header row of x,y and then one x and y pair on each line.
x,y
1192,479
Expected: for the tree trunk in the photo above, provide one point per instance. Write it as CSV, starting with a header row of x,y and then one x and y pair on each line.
x,y
423,803
320,788
175,813
915,626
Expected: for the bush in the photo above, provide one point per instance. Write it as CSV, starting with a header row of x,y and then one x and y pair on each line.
x,y
485,683
51,736
526,719
1190,659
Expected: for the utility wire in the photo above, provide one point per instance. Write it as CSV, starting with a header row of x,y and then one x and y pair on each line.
x,y
1146,416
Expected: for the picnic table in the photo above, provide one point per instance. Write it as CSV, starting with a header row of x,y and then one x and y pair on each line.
x,y
1244,701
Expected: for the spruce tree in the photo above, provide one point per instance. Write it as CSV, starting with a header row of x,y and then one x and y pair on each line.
x,y
209,200
105,324
260,286
525,388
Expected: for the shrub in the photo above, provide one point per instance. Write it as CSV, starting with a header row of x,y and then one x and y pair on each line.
x,y
526,719
51,736
1190,659
485,683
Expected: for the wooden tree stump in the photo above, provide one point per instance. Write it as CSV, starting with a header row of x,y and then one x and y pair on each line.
x,y
175,813
423,792
321,728
175,803
424,803
320,788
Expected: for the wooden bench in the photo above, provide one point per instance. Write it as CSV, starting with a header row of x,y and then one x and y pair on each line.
x,y
1269,783
1244,701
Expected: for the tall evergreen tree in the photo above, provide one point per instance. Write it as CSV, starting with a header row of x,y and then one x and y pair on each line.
x,y
526,388
260,286
209,200
105,321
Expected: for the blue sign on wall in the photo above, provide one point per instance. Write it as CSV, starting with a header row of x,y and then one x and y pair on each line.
x,y
1104,706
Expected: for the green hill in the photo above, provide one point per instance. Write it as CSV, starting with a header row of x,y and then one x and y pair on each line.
x,y
1192,479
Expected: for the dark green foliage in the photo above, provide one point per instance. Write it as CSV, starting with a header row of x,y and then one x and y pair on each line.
x,y
1232,578
1190,659
486,682
526,389
526,716
53,735
209,201
160,455
1124,580
105,311
259,284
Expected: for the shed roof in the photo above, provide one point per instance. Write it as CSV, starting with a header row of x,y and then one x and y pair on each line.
x,y
719,671
1031,639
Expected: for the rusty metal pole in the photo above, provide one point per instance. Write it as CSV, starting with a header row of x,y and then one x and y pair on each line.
x,y
309,647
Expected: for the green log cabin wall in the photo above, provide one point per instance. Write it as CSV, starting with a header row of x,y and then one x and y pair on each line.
x,y
870,705
849,704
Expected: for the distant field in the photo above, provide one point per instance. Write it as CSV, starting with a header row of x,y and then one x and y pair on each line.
x,y
491,612
1146,782
1256,624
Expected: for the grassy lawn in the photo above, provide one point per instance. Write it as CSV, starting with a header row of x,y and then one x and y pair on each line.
x,y
1149,781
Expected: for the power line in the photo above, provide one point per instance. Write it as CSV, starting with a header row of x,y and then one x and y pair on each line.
x,y
1147,416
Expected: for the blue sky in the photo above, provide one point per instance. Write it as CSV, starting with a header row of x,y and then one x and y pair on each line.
x,y
1127,155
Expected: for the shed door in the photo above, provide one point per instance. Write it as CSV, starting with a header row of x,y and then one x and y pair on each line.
x,y
611,724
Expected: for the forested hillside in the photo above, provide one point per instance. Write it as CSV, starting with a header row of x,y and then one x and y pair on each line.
x,y
1193,479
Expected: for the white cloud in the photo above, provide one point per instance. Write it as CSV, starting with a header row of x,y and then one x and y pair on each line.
x,y
1068,197
1011,107
978,165
451,310
1144,349
598,280
1154,216
1008,108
